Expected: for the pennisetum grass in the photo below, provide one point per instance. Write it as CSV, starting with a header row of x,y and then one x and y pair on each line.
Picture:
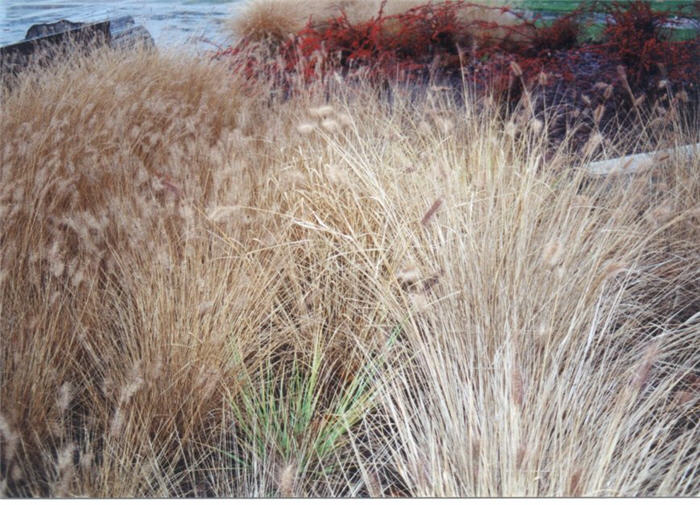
x,y
207,289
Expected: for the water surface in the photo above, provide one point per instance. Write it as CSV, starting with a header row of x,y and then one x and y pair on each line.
x,y
170,22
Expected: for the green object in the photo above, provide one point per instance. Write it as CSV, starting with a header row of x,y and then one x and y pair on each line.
x,y
593,30
570,5
285,411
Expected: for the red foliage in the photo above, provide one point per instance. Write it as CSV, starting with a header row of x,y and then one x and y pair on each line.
x,y
636,38
430,39
397,45
561,35
433,41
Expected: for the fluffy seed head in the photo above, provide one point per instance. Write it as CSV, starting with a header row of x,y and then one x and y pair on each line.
x,y
598,113
205,307
5,429
542,333
648,359
117,423
65,469
286,480
330,125
419,302
431,211
621,73
87,459
608,91
10,437
424,127
65,395
683,397
16,474
65,458
592,144
552,253
613,268
659,215
536,125
409,274
306,128
337,175
322,111
344,119
445,125
515,68
134,384
517,386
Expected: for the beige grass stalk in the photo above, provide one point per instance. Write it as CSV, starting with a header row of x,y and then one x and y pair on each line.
x,y
529,326
172,246
103,161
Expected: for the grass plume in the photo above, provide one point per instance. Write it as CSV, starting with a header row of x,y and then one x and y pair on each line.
x,y
208,289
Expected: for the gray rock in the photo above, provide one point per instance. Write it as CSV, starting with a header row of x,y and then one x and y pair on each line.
x,y
44,29
45,41
127,35
52,40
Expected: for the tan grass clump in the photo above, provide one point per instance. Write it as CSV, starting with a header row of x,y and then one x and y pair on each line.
x,y
197,299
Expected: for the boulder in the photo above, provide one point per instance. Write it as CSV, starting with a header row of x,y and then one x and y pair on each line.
x,y
45,41
44,29
126,34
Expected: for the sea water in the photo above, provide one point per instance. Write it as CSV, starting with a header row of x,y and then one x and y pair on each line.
x,y
171,22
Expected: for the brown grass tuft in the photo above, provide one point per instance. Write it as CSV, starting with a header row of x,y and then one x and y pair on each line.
x,y
202,294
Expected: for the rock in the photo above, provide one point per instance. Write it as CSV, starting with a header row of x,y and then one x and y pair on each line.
x,y
44,29
45,41
127,35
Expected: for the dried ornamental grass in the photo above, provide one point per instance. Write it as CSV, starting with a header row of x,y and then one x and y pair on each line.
x,y
219,304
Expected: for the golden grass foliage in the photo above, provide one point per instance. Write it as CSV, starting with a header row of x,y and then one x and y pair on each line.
x,y
204,292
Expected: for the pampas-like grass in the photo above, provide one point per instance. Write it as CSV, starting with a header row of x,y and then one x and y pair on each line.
x,y
204,293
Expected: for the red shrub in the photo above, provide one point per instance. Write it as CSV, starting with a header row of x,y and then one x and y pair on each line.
x,y
433,40
635,37
561,35
388,45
